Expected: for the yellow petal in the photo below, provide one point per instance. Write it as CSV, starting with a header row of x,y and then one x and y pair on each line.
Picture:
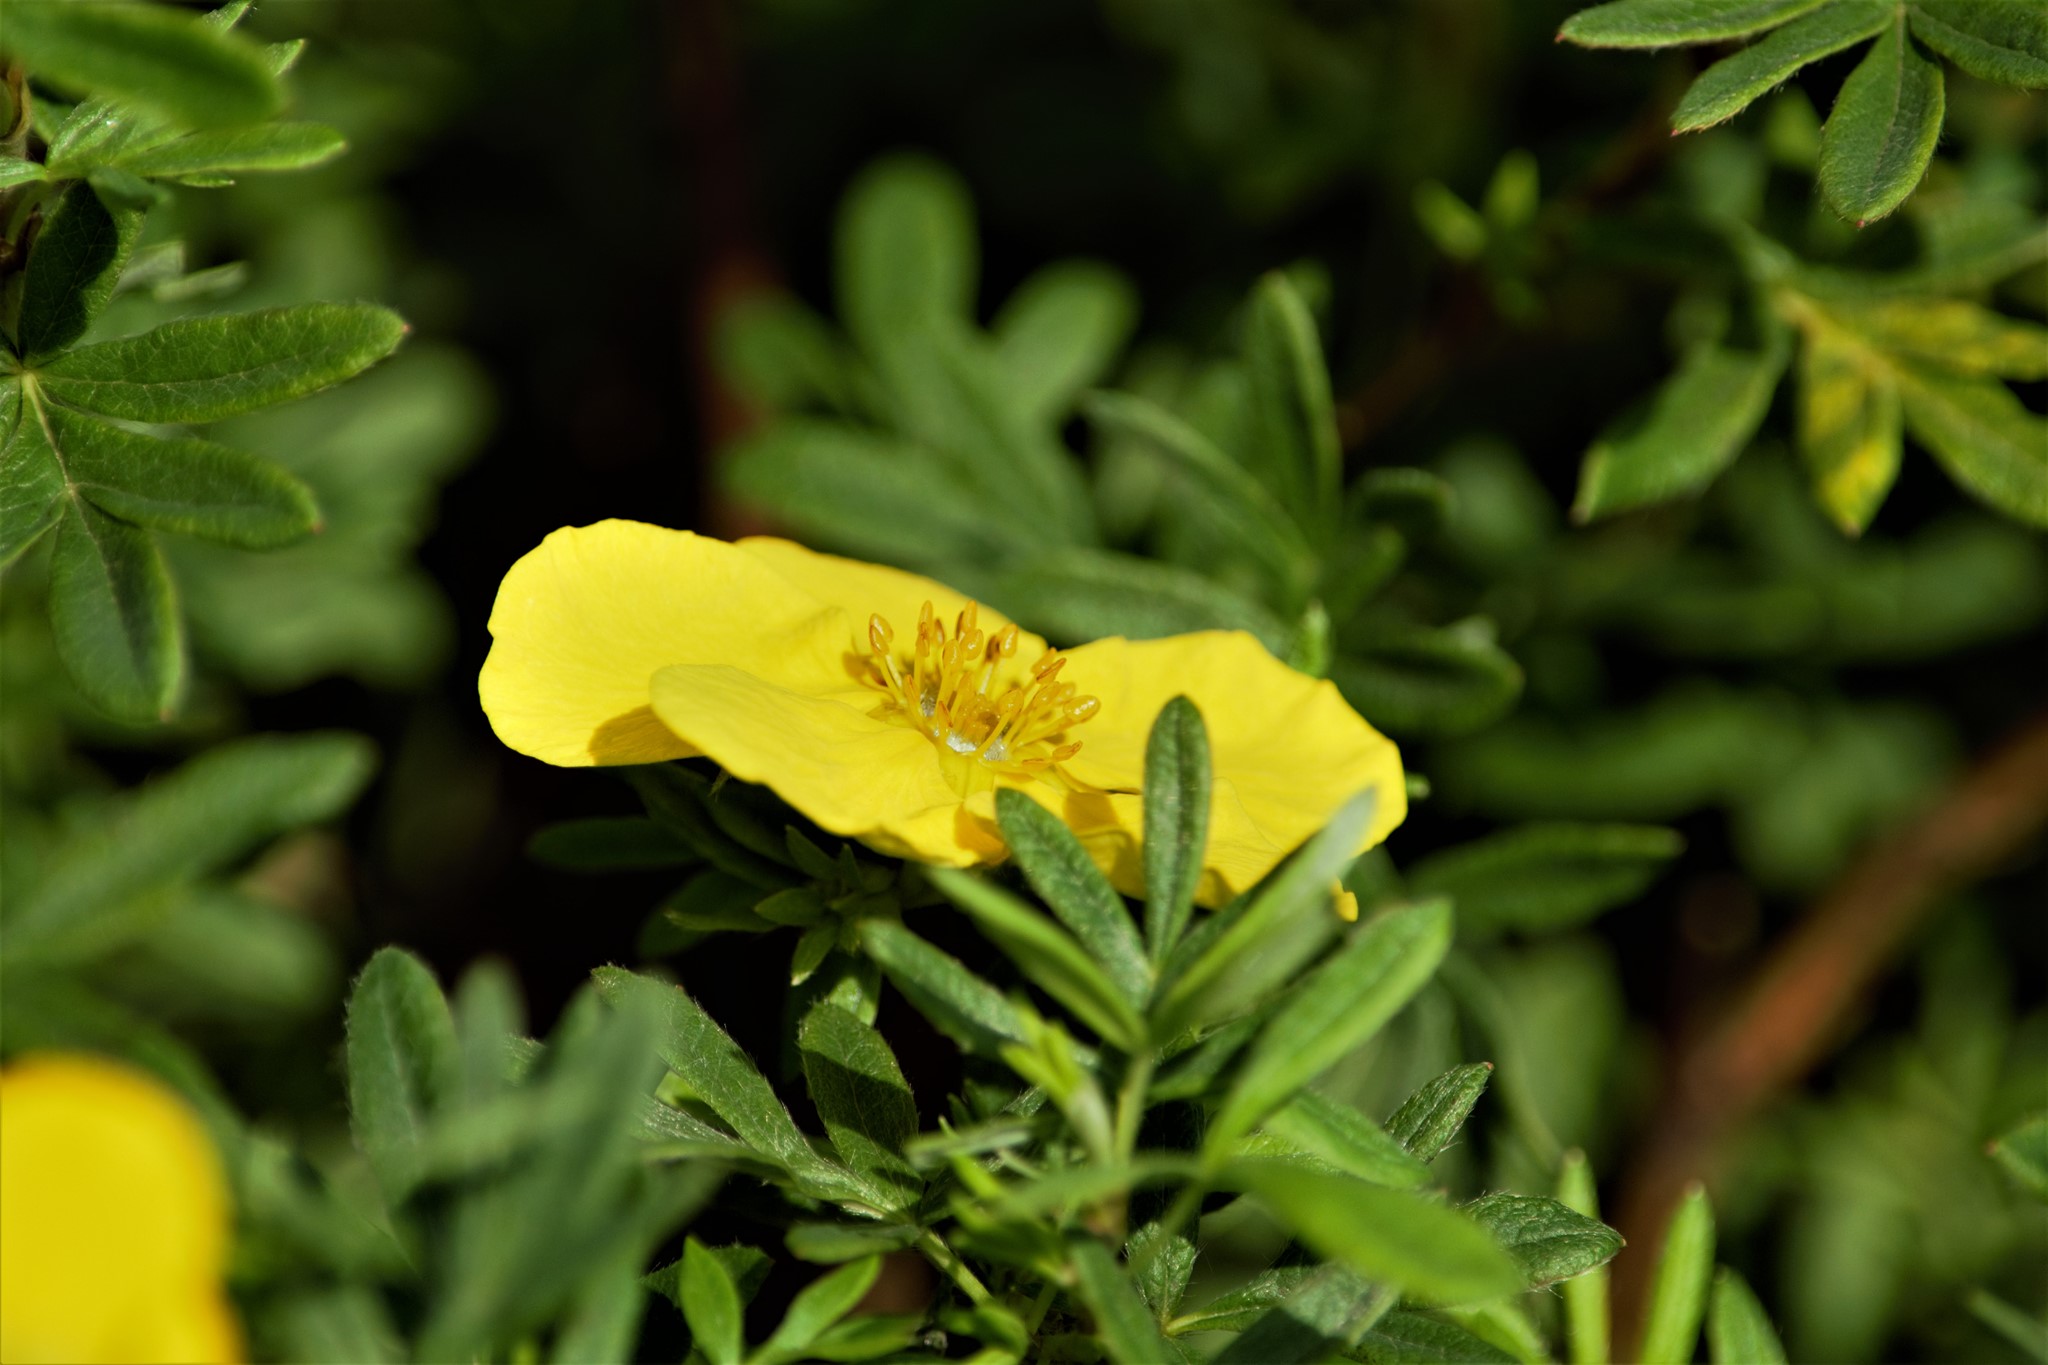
x,y
872,779
583,622
113,1219
862,590
1286,750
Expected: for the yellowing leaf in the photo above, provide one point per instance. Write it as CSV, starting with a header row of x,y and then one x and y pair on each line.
x,y
1849,428
1954,334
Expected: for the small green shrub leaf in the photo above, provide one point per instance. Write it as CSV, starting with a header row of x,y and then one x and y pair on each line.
x,y
1176,821
1727,87
1070,884
958,1003
75,261
1549,1241
1678,1292
1878,140
403,1063
1995,40
1429,1119
1545,877
1738,1330
170,60
179,484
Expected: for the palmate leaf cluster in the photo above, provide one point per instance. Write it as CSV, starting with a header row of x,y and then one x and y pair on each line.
x,y
96,458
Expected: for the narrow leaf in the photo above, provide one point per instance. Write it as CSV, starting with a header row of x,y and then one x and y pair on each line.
x,y
115,615
1728,86
1878,140
1429,1119
1047,954
905,251
1295,449
817,1306
1695,426
2023,1151
168,59
403,1063
1982,435
1426,680
1176,821
1668,23
711,1305
204,369
958,1003
180,484
1548,1240
1335,1011
1346,1139
263,147
1124,1326
1067,880
1850,429
1738,1330
1409,1338
1391,1236
1282,925
1995,40
1678,1293
860,1094
75,261
1061,331
32,484
1544,877
1585,1297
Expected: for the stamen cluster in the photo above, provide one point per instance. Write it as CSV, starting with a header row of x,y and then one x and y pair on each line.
x,y
943,688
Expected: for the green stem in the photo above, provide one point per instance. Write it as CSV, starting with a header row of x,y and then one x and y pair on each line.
x,y
945,1258
1130,1102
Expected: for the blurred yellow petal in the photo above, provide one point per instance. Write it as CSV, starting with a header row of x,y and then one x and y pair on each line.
x,y
113,1219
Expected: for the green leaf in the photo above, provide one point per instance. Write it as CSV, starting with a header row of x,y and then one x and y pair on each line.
x,y
856,491
1283,923
184,485
868,1336
1429,680
1176,821
227,956
1694,427
1981,434
33,491
1429,1119
1320,1312
726,1079
204,369
1082,594
607,845
166,59
1949,334
73,265
832,1243
817,1306
1047,954
264,147
403,1064
1061,331
1544,877
1124,1326
1346,1139
1669,23
1391,1236
1548,1240
711,1305
1724,89
1295,450
1414,502
747,1267
958,1003
2023,1151
784,356
1878,140
204,816
1850,429
1345,1002
1678,1292
1585,1297
115,615
15,170
1070,884
1995,40
860,1094
1253,517
1738,1330
1409,1338
905,252
2023,1330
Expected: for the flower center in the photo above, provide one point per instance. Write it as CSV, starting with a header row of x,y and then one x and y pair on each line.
x,y
946,688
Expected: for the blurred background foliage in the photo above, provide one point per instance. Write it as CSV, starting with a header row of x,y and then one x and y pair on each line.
x,y
1021,295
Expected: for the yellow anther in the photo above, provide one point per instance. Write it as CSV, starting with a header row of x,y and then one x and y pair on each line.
x,y
1005,644
880,636
1066,751
1048,668
1082,709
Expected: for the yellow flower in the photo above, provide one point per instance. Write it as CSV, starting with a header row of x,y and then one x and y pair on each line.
x,y
113,1219
889,708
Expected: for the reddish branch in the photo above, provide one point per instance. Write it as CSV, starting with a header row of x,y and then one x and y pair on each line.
x,y
1791,1015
